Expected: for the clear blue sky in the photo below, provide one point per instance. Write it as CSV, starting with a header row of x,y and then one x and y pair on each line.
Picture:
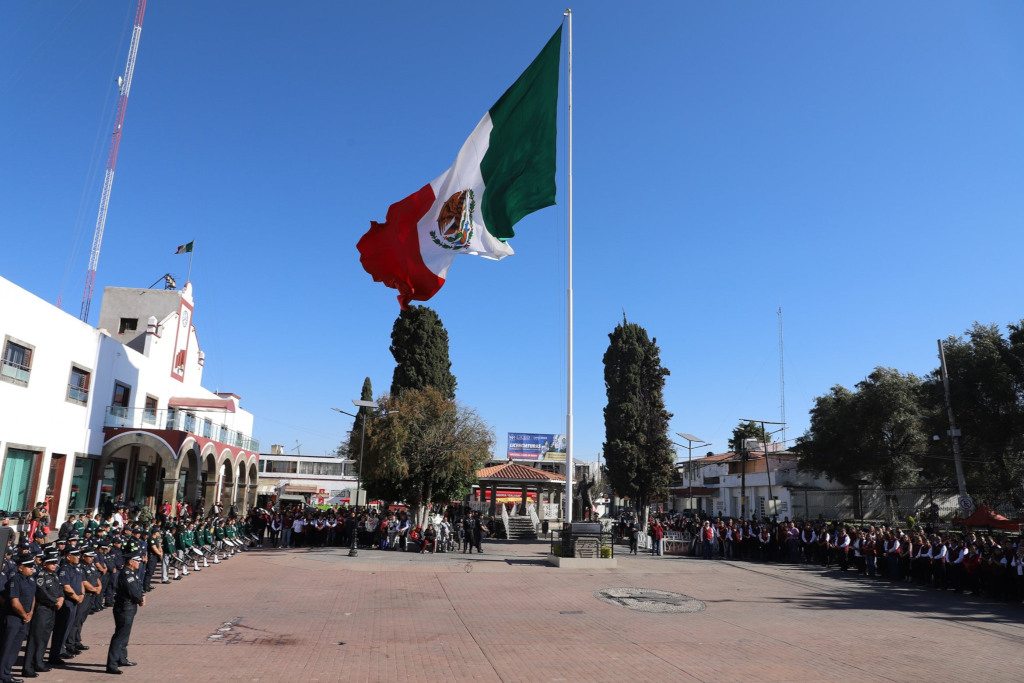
x,y
860,165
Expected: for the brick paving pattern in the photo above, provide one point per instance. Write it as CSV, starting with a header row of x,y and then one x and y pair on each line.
x,y
318,615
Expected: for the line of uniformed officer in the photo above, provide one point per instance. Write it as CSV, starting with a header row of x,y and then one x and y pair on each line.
x,y
46,594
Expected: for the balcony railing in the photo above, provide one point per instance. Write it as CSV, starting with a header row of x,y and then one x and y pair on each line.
x,y
15,372
177,420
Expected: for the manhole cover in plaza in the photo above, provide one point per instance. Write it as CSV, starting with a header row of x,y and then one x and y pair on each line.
x,y
649,600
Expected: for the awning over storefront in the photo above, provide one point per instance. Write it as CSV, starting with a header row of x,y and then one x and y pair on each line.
x,y
213,403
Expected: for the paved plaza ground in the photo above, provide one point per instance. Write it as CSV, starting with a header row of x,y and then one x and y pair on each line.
x,y
505,615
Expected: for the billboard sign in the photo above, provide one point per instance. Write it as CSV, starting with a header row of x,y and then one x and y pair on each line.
x,y
525,446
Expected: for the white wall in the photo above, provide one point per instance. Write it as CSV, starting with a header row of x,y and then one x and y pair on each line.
x,y
39,417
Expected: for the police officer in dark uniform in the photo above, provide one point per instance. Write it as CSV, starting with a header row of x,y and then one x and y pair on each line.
x,y
127,600
49,598
101,566
90,588
155,548
70,577
19,599
36,544
115,563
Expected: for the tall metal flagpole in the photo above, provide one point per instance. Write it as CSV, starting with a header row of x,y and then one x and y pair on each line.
x,y
188,278
569,468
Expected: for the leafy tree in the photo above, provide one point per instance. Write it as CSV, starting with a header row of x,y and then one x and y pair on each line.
x,y
350,447
419,344
986,380
747,430
637,448
427,452
874,433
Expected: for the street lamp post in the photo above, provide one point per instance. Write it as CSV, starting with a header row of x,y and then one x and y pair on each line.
x,y
690,440
353,551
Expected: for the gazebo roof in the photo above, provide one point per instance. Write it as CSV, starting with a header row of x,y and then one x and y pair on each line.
x,y
513,471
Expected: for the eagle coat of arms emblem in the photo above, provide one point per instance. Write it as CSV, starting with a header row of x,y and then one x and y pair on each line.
x,y
455,221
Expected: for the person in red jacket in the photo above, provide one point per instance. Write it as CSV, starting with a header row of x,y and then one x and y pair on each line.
x,y
657,533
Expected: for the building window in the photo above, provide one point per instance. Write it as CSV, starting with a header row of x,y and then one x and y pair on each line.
x,y
128,325
16,480
149,414
122,395
17,362
326,469
78,385
121,400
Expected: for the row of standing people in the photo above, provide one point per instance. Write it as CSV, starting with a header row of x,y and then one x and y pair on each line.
x,y
47,591
376,529
961,562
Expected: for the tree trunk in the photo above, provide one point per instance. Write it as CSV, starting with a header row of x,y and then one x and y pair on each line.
x,y
426,503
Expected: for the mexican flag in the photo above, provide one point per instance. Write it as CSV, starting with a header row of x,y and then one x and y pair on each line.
x,y
504,171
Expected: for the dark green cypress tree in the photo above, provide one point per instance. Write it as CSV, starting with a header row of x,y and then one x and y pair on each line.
x,y
637,448
419,344
355,436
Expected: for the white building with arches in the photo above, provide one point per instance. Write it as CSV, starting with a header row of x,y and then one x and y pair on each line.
x,y
88,414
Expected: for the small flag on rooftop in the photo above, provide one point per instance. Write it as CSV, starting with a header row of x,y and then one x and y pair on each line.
x,y
185,248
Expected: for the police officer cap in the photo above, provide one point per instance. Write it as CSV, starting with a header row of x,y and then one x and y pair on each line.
x,y
26,559
62,541
74,537
117,539
89,551
74,551
39,534
51,559
103,544
135,556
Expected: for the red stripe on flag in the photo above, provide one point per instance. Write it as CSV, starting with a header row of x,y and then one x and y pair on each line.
x,y
390,251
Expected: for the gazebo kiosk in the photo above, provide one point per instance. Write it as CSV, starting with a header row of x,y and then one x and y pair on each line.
x,y
517,477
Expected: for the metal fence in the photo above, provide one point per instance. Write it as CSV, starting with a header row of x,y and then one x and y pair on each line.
x,y
925,505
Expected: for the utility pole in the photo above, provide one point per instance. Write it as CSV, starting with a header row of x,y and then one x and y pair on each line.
x,y
744,455
767,462
954,435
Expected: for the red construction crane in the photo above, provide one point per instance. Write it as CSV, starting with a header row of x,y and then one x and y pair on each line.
x,y
124,84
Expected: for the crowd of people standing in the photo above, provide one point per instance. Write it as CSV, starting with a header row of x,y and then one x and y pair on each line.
x,y
961,561
448,529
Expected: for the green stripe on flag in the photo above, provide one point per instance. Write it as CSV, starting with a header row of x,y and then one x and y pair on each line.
x,y
519,166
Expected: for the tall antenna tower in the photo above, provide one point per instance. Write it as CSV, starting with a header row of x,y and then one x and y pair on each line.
x,y
124,84
782,380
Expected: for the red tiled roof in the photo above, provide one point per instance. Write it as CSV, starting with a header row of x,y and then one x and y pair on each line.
x,y
513,470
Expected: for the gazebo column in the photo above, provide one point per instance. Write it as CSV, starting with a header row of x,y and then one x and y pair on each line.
x,y
526,500
540,502
494,500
